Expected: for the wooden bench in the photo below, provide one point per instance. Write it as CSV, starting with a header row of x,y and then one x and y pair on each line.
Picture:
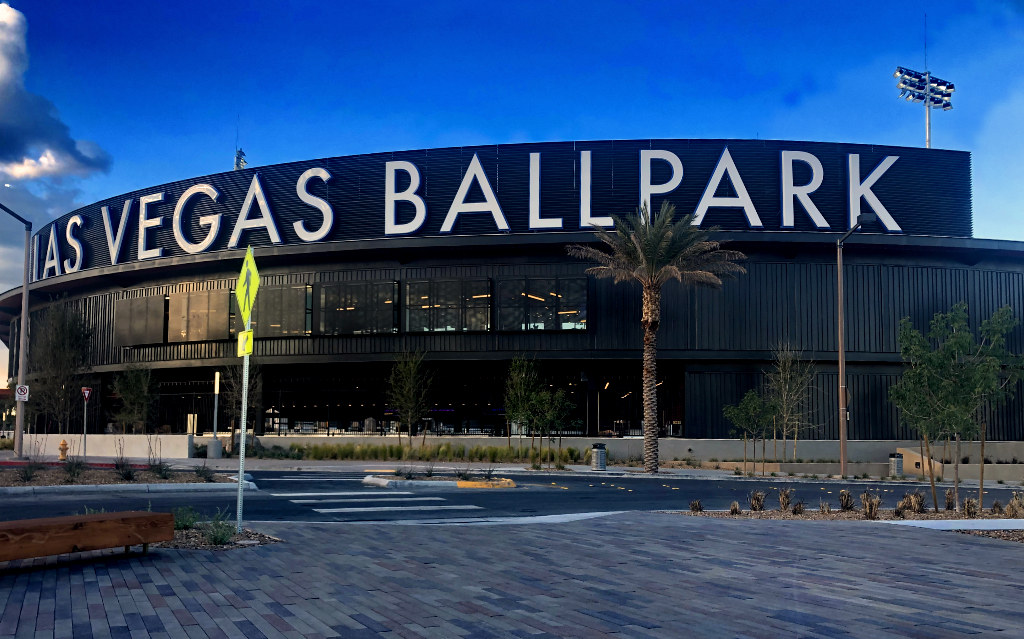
x,y
30,538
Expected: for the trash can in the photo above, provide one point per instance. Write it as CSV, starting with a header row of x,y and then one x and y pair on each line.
x,y
598,457
895,464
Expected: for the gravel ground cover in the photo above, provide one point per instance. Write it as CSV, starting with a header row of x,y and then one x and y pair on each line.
x,y
1005,535
195,539
835,515
55,476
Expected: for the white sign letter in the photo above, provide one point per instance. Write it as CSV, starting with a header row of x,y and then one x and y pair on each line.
x,y
801,192
69,233
264,221
145,224
587,222
114,241
212,221
317,203
860,190
536,222
52,254
646,188
391,227
489,205
742,199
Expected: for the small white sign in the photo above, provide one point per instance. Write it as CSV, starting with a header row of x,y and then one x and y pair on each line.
x,y
21,393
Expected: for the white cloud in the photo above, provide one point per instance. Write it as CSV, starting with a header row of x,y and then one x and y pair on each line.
x,y
34,142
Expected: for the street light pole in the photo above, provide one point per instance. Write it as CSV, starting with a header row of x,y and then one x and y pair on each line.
x,y
864,218
23,336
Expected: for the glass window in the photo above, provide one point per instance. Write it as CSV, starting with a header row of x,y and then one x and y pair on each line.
x,y
542,304
357,308
280,311
448,306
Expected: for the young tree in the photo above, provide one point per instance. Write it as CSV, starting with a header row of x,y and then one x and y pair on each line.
x,y
789,383
61,345
231,393
752,417
134,385
407,391
652,252
552,409
520,387
951,376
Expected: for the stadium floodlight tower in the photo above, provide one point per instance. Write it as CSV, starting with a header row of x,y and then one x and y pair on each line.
x,y
924,87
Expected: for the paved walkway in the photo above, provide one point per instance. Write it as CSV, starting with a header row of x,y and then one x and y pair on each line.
x,y
626,575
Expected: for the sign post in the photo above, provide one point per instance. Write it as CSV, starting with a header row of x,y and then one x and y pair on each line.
x,y
245,292
86,392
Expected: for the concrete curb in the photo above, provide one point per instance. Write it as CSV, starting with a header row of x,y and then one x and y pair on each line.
x,y
124,488
370,480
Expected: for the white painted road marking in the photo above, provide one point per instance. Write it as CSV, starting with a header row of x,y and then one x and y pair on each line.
x,y
363,501
307,479
393,508
342,494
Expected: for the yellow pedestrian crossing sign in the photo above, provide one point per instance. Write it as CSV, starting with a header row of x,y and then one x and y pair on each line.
x,y
248,285
244,343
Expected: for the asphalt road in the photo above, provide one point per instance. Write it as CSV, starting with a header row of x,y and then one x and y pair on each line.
x,y
341,497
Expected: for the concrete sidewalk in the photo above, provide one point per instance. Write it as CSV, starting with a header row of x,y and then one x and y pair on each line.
x,y
625,575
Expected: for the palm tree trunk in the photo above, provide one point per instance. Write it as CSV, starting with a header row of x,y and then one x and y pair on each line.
x,y
650,321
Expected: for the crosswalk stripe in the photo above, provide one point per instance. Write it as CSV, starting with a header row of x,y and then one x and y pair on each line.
x,y
393,508
344,493
363,501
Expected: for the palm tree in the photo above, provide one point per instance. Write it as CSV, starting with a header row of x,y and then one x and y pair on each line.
x,y
653,252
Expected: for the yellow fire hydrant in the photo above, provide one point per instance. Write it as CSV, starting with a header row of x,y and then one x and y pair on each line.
x,y
63,450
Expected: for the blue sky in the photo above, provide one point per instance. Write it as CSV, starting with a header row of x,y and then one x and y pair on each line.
x,y
151,92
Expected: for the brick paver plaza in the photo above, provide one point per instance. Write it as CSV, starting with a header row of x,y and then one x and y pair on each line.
x,y
627,575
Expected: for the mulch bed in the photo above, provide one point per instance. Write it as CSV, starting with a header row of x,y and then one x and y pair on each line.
x,y
1005,535
58,477
194,539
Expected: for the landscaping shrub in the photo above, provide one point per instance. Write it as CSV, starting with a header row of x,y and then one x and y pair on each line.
x,y
74,467
997,507
7,443
824,508
696,507
199,451
950,500
785,495
160,469
845,501
489,473
899,510
734,508
970,508
756,501
185,518
219,531
872,504
28,471
464,474
122,468
204,473
798,508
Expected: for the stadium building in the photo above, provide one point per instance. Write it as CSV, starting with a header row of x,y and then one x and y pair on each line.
x,y
460,253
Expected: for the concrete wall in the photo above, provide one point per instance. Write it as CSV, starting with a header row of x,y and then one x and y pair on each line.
x,y
869,451
135,446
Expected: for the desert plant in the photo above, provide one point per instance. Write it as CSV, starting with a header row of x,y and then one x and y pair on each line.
x,y
785,496
489,473
74,467
798,508
824,508
185,518
756,500
204,472
122,466
27,472
219,531
970,508
737,471
997,507
734,508
654,249
428,471
845,501
696,506
950,500
872,504
1015,507
465,474
899,511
